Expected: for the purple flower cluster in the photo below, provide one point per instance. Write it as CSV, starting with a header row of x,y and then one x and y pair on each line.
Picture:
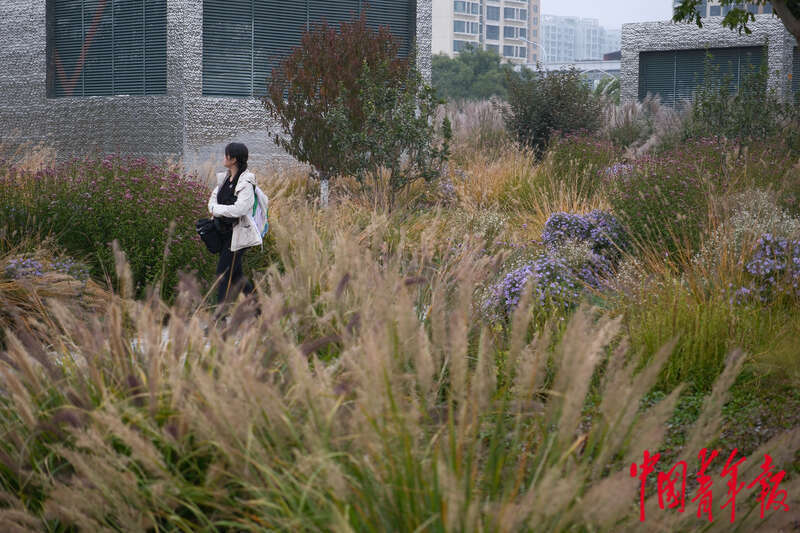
x,y
555,286
774,269
617,169
72,268
559,279
600,229
19,268
24,268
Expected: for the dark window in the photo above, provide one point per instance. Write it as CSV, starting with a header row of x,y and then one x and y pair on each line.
x,y
508,51
493,32
675,75
492,13
509,32
460,6
522,51
244,40
523,14
476,9
459,45
715,11
459,26
509,13
523,33
117,47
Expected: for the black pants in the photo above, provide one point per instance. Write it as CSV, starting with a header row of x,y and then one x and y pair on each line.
x,y
229,267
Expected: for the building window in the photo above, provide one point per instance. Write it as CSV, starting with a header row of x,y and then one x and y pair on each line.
x,y
508,51
460,45
715,11
470,8
244,40
493,32
492,13
493,48
509,13
460,26
523,14
107,48
509,32
523,33
522,51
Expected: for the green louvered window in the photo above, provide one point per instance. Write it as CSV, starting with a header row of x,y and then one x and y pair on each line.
x,y
796,72
674,75
107,47
243,40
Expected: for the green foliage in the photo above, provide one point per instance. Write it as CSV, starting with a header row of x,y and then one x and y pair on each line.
x,y
754,111
541,103
348,104
87,204
608,88
581,156
661,200
473,74
393,132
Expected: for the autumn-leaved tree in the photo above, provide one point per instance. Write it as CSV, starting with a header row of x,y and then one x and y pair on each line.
x,y
739,16
346,102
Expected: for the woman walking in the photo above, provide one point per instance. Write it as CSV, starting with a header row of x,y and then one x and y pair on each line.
x,y
231,201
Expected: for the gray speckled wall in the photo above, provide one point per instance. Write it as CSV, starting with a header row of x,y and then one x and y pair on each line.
x,y
670,36
147,125
182,123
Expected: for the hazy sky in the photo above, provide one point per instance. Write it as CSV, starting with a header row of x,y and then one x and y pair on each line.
x,y
612,13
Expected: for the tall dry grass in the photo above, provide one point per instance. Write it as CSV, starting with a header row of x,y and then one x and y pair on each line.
x,y
356,391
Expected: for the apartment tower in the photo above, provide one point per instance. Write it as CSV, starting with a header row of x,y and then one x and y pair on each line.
x,y
508,27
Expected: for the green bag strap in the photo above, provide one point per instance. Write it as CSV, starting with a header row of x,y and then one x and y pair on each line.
x,y
255,204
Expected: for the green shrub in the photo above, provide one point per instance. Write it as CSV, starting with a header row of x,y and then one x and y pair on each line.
x,y
347,104
661,200
86,204
474,74
581,156
753,112
541,103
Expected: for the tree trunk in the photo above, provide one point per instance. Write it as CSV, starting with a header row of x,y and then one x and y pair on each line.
x,y
784,12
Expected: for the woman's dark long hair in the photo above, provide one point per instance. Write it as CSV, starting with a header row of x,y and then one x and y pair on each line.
x,y
239,152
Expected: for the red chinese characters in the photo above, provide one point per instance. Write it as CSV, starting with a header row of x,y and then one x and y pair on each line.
x,y
671,486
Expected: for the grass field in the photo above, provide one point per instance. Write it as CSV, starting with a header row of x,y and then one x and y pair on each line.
x,y
491,354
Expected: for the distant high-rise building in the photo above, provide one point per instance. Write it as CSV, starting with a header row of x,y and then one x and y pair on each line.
x,y
568,39
712,8
508,27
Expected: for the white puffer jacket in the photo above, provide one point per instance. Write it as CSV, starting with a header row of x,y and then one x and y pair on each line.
x,y
245,233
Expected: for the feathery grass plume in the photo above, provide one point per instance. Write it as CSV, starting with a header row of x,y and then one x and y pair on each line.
x,y
417,417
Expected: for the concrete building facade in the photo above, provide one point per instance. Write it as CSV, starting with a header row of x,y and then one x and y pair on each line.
x,y
508,27
181,121
567,39
683,47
